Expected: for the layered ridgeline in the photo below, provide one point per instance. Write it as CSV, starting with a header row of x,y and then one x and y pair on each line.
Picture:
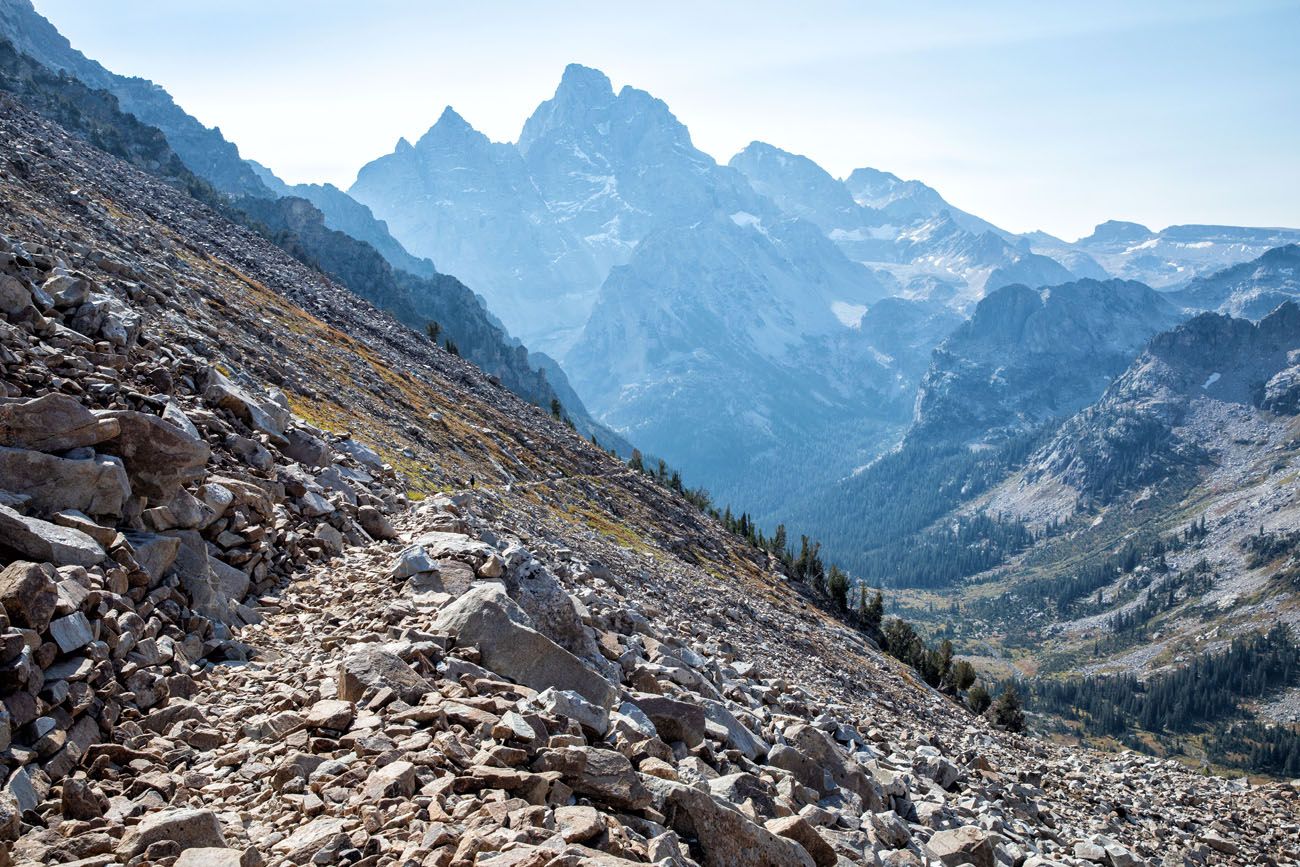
x,y
1025,360
325,234
714,313
1091,516
565,663
714,319
1169,258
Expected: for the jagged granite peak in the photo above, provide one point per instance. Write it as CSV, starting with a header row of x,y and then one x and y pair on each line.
x,y
469,204
1249,289
204,150
582,93
614,168
1027,356
800,187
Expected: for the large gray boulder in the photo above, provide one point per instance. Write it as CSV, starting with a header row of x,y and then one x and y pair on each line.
x,y
601,774
96,486
511,647
159,456
844,772
727,837
40,540
52,423
187,828
369,668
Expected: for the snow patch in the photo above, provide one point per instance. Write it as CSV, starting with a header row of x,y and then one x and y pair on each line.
x,y
745,218
849,315
1211,379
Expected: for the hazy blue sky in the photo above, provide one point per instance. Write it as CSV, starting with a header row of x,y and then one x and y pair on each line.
x,y
1044,115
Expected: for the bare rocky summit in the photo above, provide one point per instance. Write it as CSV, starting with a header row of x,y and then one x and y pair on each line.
x,y
285,584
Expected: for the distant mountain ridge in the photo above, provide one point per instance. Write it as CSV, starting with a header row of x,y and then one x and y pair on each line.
x,y
203,150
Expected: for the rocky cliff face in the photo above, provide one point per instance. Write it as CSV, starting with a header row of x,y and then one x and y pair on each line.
x,y
560,662
1151,420
1027,356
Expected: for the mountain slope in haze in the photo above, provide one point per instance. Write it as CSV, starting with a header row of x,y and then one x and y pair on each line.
x,y
1250,289
347,215
903,229
203,150
298,227
701,283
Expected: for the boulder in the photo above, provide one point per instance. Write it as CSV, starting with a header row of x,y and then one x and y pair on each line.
x,y
41,540
739,736
487,617
96,486
845,773
331,714
965,845
796,828
188,828
601,774
375,523
217,857
52,423
394,780
14,296
29,593
259,415
566,703
159,456
727,837
673,720
368,669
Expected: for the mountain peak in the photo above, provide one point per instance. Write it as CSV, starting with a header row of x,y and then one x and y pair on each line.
x,y
449,127
584,80
1117,231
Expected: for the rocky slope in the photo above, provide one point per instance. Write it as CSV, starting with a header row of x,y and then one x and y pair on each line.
x,y
559,664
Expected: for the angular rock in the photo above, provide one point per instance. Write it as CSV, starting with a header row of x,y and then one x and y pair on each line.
x,y
41,540
965,845
727,837
72,632
367,670
394,780
796,828
52,423
96,486
159,457
485,616
602,774
188,828
29,592
674,720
